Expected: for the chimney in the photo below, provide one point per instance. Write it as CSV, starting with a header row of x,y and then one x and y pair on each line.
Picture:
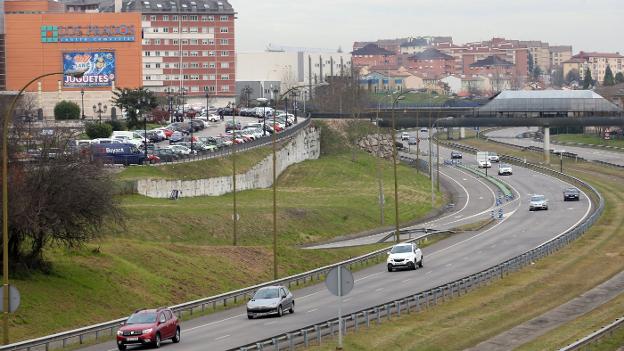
x,y
118,5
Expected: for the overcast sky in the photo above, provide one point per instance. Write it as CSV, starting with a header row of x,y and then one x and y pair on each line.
x,y
590,25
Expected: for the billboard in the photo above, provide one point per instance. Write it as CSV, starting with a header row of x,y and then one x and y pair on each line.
x,y
99,68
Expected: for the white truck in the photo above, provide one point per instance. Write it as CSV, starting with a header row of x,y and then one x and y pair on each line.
x,y
483,160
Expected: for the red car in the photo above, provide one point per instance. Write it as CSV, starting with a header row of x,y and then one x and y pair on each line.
x,y
149,327
168,132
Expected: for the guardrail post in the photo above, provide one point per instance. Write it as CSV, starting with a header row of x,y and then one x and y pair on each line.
x,y
398,308
304,332
80,337
367,317
291,345
275,343
354,317
259,346
378,315
388,310
407,301
317,329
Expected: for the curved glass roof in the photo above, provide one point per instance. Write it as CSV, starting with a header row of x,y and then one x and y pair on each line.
x,y
549,101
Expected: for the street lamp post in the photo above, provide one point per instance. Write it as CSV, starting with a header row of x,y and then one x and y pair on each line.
x,y
207,97
99,110
5,200
294,95
142,103
82,115
394,166
263,102
170,105
276,91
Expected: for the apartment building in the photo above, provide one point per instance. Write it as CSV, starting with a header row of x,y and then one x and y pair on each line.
x,y
372,55
597,63
188,48
432,61
559,54
2,51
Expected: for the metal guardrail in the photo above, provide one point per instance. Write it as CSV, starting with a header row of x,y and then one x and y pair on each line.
x,y
108,329
422,300
594,337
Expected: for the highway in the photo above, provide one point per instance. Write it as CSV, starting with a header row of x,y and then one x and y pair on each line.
x,y
508,135
444,261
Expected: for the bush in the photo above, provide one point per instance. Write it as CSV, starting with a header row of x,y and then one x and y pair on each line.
x,y
66,110
117,124
97,130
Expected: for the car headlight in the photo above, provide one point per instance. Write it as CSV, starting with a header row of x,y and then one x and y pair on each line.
x,y
146,331
119,332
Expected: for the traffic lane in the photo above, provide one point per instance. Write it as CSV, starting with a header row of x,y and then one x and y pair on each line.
x,y
474,254
586,153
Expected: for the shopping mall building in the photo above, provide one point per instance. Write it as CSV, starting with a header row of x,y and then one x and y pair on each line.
x,y
174,49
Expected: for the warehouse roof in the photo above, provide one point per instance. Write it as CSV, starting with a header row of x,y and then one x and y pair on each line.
x,y
549,101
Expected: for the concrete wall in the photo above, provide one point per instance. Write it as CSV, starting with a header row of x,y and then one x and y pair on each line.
x,y
306,145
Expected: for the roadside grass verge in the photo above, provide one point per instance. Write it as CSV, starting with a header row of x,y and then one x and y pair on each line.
x,y
587,139
465,321
175,251
215,167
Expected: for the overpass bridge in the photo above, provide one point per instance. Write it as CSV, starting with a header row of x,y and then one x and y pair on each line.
x,y
545,109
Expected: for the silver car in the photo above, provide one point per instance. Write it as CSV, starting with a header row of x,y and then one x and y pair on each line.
x,y
270,300
538,202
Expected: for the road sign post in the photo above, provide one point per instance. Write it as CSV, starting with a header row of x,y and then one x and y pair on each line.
x,y
339,281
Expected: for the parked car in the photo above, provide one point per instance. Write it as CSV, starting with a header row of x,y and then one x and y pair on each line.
x,y
424,130
412,140
405,255
160,134
166,155
167,132
149,327
176,137
505,169
538,202
571,194
226,111
229,125
126,154
405,136
456,155
271,300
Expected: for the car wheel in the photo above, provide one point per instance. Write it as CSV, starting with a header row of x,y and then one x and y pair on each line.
x,y
292,308
411,265
121,347
250,316
546,208
280,311
420,263
176,337
389,268
157,341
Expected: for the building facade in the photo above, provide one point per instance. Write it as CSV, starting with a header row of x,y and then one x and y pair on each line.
x,y
432,61
597,63
42,38
188,46
372,55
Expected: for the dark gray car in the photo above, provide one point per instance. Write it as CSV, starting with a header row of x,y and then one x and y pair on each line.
x,y
270,300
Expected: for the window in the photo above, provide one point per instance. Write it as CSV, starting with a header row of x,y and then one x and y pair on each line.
x,y
174,18
211,88
143,18
166,42
157,65
224,29
148,77
204,18
212,65
152,18
212,53
205,77
225,53
166,65
193,17
225,88
224,41
225,77
146,41
155,30
205,65
185,53
223,18
211,41
205,53
165,29
186,77
165,17
194,88
157,53
212,77
146,53
184,29
185,65
211,18
194,65
225,65
184,17
175,29
147,65
193,30
185,41
156,41
175,41
193,42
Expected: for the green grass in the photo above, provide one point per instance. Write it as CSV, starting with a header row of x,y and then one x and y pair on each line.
x,y
215,167
587,139
465,321
175,251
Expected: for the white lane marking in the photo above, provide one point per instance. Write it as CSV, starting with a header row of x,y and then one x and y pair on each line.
x,y
222,337
464,179
312,310
213,323
347,299
406,280
449,264
378,289
429,272
269,323
368,276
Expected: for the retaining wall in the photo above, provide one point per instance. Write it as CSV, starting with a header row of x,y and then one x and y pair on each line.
x,y
305,145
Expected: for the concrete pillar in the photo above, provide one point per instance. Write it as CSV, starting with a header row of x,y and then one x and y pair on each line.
x,y
547,144
462,132
39,96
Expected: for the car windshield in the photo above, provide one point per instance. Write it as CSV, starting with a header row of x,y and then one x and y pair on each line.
x,y
505,166
572,190
537,198
401,249
267,293
142,318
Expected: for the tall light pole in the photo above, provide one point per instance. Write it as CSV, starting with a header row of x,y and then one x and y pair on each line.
x,y
82,115
235,212
276,91
142,102
5,199
294,94
401,96
263,102
99,109
207,97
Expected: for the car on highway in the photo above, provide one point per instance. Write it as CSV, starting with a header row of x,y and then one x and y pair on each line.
x,y
538,202
271,300
405,136
571,194
505,169
149,327
484,164
456,155
493,157
405,255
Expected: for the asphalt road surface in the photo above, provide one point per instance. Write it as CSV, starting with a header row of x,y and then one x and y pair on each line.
x,y
508,135
444,261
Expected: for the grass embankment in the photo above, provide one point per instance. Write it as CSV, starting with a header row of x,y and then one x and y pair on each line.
x,y
176,251
464,322
587,139
215,167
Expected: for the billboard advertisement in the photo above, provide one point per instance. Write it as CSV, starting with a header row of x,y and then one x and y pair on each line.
x,y
99,68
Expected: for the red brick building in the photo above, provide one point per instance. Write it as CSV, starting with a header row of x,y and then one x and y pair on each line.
x,y
432,61
372,55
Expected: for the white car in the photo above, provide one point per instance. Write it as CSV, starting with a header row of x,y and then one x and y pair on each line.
x,y
505,169
424,130
181,149
538,202
405,255
405,136
485,164
493,157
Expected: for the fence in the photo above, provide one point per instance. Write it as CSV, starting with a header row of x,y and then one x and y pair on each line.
x,y
586,342
425,299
